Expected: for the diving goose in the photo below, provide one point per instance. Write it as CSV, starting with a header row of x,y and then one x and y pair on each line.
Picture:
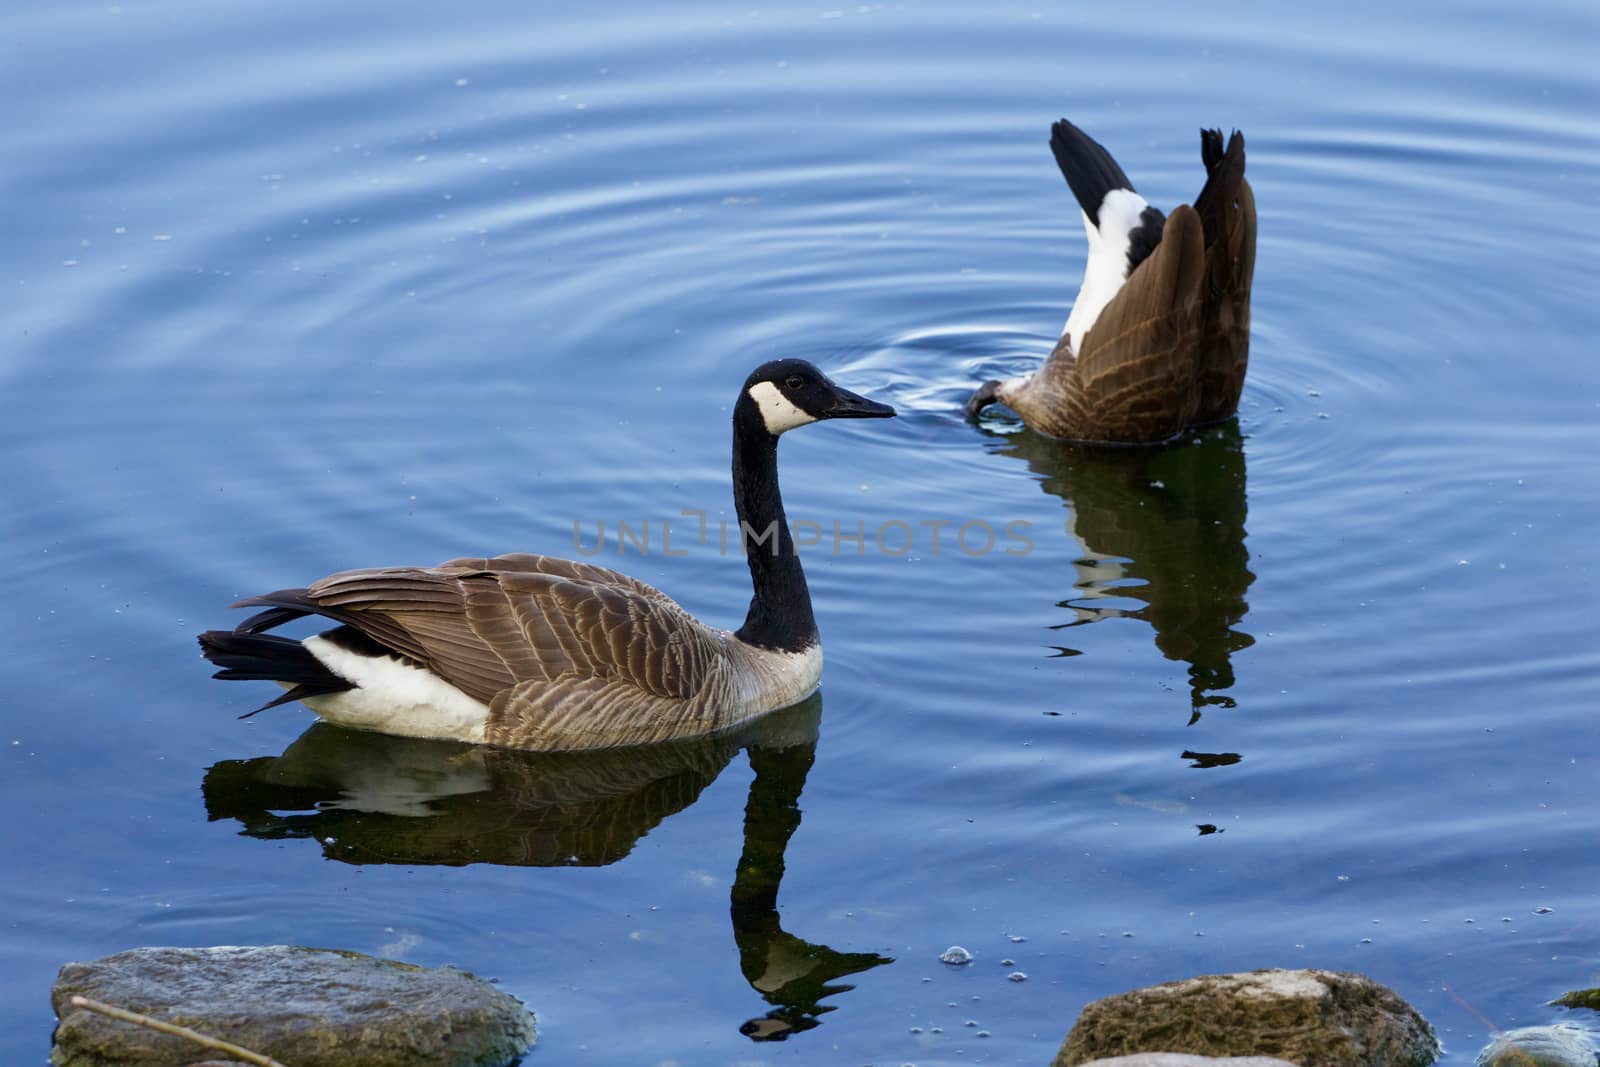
x,y
536,652
1159,335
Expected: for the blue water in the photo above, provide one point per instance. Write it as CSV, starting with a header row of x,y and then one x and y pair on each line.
x,y
293,288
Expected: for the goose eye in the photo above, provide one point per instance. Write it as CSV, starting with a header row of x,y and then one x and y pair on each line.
x,y
793,381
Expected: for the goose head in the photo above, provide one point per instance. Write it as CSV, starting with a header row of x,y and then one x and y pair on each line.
x,y
786,393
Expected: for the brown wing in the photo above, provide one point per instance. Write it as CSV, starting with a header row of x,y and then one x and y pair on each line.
x,y
1134,378
1227,210
530,563
538,620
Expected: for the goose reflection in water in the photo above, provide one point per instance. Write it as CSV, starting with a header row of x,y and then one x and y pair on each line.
x,y
373,798
1163,526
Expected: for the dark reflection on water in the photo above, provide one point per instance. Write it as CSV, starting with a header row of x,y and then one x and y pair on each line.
x,y
1165,527
371,798
793,975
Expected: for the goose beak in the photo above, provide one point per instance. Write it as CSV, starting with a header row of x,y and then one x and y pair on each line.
x,y
848,405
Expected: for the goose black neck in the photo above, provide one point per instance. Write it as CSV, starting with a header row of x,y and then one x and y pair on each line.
x,y
780,611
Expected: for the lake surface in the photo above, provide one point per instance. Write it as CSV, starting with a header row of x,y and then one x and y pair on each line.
x,y
295,288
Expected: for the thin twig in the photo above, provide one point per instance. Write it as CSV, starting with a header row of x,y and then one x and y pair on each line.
x,y
170,1028
1493,1029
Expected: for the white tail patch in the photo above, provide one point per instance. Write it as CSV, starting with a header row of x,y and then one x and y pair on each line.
x,y
778,412
1107,266
394,697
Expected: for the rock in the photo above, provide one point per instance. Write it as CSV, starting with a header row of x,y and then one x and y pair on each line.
x,y
1182,1059
303,1006
1539,1046
1580,998
1311,1018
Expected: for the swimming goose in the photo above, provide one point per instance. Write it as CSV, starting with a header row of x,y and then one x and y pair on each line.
x,y
1159,335
536,652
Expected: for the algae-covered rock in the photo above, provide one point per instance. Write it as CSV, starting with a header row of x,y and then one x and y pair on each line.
x,y
1580,998
1312,1018
1183,1059
1540,1046
303,1006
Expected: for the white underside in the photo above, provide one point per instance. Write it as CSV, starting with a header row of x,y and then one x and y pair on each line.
x,y
1107,266
394,697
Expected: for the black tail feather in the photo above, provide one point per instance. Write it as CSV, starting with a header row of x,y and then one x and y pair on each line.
x,y
1087,166
267,657
299,692
1224,172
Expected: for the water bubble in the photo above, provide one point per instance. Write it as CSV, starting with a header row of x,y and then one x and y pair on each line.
x,y
1542,910
956,956
1017,976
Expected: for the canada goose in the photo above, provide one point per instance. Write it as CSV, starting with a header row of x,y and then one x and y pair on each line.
x,y
536,652
1159,335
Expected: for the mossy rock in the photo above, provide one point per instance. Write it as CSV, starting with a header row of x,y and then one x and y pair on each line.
x,y
1183,1059
302,1006
1580,998
1312,1018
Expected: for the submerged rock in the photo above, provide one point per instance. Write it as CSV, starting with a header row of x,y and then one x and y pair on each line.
x,y
1311,1018
303,1006
1183,1059
1539,1046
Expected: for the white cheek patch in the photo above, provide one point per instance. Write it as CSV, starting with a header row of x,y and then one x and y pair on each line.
x,y
778,412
